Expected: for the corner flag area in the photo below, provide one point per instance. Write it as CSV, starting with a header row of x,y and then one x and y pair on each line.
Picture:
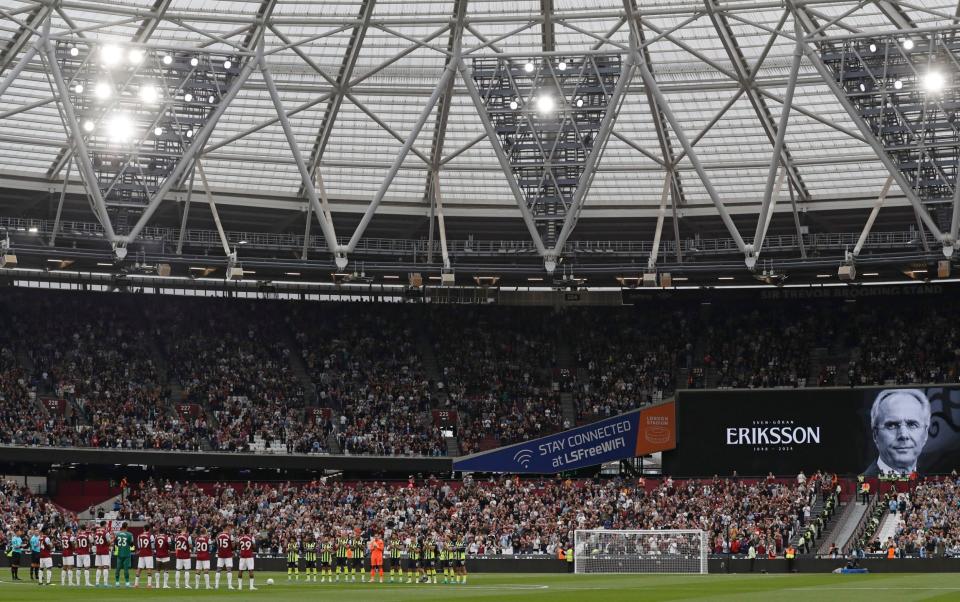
x,y
546,587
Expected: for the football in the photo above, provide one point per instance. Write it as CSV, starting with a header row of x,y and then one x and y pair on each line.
x,y
269,581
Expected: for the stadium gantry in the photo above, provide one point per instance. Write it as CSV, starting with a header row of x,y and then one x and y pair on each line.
x,y
479,140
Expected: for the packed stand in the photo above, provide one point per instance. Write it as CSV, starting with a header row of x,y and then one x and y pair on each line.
x,y
928,520
364,363
96,356
625,358
230,358
502,516
498,367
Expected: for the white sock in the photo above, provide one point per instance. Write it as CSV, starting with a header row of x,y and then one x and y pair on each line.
x,y
136,579
63,577
196,580
239,581
86,576
216,580
49,576
176,578
251,582
97,575
229,579
206,579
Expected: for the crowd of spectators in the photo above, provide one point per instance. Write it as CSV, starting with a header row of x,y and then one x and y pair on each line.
x,y
231,358
21,509
928,520
258,369
496,516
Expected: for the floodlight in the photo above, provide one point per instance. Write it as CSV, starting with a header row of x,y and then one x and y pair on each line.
x,y
908,44
562,66
103,90
167,59
194,62
545,103
528,67
110,55
227,64
188,97
135,56
120,128
88,126
74,51
514,105
78,88
934,81
148,93
158,131
897,84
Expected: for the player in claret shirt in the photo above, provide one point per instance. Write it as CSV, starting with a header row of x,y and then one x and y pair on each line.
x,y
245,546
202,547
224,556
83,556
161,546
45,566
182,545
67,543
101,550
144,556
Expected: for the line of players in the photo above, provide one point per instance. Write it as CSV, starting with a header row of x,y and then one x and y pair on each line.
x,y
422,558
155,552
342,555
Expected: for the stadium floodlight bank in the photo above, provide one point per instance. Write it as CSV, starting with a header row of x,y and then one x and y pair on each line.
x,y
640,551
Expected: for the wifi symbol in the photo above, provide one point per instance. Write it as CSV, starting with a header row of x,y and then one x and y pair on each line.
x,y
523,457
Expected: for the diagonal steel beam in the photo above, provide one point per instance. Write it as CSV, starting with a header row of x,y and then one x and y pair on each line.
x,y
659,122
747,79
84,164
19,40
593,159
188,156
305,175
766,209
347,65
142,36
650,83
431,189
804,22
466,75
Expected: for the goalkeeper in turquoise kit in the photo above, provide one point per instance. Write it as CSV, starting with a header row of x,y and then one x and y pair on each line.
x,y
123,549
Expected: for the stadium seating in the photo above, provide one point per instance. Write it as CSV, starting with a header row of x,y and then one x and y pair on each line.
x,y
275,377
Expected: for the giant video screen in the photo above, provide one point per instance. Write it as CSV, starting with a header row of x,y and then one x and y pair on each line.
x,y
869,431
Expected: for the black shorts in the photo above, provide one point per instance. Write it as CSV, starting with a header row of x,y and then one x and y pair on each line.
x,y
357,561
292,565
458,564
325,564
15,559
35,558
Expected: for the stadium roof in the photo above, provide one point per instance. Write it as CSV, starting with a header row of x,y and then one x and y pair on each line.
x,y
356,75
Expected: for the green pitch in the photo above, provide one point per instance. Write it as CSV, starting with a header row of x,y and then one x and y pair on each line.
x,y
541,587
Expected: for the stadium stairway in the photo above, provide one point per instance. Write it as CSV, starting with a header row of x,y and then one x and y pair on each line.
x,y
888,526
332,444
849,521
567,362
298,367
830,530
432,369
453,446
815,511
